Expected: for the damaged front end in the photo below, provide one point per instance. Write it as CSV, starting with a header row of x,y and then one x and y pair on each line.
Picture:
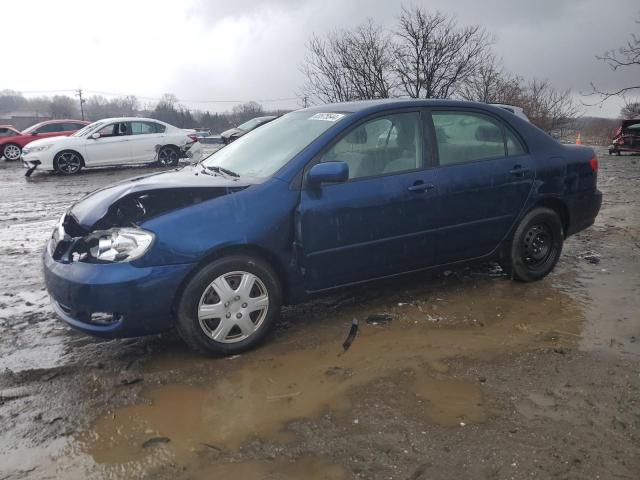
x,y
117,236
106,226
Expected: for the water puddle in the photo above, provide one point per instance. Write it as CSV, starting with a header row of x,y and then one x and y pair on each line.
x,y
258,394
307,468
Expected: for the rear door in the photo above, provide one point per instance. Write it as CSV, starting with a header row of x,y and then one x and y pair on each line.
x,y
484,178
145,138
378,222
112,148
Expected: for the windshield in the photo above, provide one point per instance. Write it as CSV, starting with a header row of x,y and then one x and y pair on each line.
x,y
253,123
82,132
265,150
32,128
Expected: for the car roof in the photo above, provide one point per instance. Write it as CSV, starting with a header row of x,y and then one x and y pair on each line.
x,y
391,103
131,119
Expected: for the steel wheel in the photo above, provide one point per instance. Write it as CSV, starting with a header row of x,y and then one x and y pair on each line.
x,y
68,163
233,307
537,245
12,152
168,156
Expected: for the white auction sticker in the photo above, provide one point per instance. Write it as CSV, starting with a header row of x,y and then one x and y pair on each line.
x,y
327,117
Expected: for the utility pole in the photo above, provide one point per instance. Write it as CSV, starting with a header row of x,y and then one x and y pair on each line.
x,y
79,94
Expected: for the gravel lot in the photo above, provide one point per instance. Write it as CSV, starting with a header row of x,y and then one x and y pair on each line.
x,y
474,376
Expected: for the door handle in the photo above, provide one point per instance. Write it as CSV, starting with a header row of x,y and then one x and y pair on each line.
x,y
519,170
420,187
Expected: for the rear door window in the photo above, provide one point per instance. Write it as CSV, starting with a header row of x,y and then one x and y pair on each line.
x,y
143,128
464,137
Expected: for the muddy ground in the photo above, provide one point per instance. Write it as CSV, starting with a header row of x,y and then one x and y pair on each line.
x,y
474,376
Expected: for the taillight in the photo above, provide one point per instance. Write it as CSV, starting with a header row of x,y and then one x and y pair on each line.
x,y
593,163
193,137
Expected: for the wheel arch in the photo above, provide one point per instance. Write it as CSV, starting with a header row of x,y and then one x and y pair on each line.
x,y
249,250
558,206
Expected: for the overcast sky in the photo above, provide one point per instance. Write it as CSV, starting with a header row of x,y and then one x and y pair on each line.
x,y
251,50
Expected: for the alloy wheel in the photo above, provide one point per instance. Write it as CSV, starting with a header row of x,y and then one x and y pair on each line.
x,y
167,156
233,307
12,152
68,163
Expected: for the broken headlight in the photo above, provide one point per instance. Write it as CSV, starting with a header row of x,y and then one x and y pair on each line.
x,y
119,244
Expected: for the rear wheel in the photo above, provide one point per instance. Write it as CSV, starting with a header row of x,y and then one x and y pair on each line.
x,y
11,152
536,245
168,156
67,163
229,306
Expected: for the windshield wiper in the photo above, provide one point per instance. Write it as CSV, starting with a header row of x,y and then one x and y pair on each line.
x,y
223,170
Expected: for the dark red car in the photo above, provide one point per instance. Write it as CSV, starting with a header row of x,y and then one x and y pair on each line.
x,y
626,138
12,141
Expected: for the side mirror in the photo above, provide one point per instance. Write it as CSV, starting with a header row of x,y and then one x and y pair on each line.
x,y
95,136
328,172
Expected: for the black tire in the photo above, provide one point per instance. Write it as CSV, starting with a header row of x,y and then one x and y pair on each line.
x,y
191,328
536,245
68,162
8,152
168,156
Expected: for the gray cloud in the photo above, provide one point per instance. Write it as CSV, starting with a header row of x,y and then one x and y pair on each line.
x,y
250,49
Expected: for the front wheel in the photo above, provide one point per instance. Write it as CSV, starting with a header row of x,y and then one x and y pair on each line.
x,y
536,245
229,306
67,163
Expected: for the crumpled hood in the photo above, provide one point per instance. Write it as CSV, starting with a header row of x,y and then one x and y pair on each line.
x,y
138,199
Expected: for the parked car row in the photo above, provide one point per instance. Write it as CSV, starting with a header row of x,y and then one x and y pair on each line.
x,y
68,146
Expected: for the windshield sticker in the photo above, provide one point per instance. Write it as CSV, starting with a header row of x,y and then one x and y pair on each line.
x,y
327,117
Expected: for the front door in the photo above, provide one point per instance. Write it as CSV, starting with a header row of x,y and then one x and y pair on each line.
x,y
111,148
484,178
378,222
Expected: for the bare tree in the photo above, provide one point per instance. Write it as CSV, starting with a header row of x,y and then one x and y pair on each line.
x,y
62,106
367,59
626,56
630,111
326,80
434,55
490,83
349,65
548,108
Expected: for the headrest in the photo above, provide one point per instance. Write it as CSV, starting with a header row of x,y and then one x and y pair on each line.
x,y
486,133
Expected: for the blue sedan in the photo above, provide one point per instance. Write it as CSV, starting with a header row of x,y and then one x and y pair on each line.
x,y
315,200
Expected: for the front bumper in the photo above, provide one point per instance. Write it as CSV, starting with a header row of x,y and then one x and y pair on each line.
x,y
113,300
39,160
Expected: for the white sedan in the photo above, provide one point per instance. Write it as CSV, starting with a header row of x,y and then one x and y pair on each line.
x,y
113,141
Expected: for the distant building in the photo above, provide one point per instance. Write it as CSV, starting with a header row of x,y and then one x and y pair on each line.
x,y
23,119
